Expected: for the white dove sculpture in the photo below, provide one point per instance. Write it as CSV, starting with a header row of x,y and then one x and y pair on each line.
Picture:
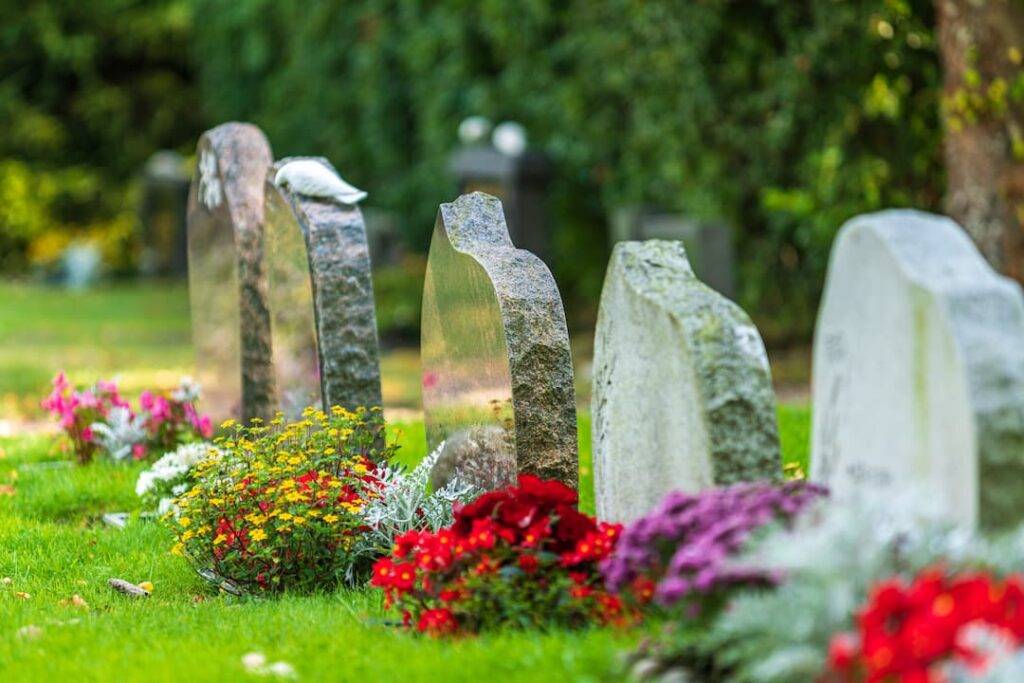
x,y
314,179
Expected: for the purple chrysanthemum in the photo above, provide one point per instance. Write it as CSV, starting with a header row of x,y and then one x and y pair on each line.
x,y
685,543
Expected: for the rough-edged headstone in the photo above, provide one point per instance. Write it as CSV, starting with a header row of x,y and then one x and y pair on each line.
x,y
919,370
495,347
321,291
227,285
682,396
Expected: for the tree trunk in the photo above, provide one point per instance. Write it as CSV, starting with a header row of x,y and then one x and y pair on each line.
x,y
981,43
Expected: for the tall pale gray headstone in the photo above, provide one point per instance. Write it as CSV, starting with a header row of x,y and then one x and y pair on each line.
x,y
682,396
495,347
227,284
919,370
321,291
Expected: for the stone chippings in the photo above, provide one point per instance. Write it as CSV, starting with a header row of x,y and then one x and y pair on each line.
x,y
540,363
723,347
346,321
242,155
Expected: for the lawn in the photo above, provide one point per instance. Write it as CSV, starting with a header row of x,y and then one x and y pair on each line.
x,y
53,546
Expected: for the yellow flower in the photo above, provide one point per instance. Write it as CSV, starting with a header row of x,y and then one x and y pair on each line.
x,y
294,497
294,460
216,502
288,484
203,529
178,549
184,521
330,519
258,535
360,468
227,424
299,520
220,539
187,535
286,516
313,513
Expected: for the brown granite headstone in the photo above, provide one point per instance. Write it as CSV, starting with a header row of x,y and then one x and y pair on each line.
x,y
227,284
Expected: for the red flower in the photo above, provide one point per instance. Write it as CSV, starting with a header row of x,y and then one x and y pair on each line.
x,y
843,651
549,491
437,622
528,563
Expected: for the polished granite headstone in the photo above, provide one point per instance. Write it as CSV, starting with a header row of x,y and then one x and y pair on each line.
x,y
495,347
919,371
227,285
682,396
324,322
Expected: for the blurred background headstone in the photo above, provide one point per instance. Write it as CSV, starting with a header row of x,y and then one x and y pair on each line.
x,y
162,215
508,170
708,243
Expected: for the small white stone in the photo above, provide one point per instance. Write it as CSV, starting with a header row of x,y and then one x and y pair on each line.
x,y
254,660
282,670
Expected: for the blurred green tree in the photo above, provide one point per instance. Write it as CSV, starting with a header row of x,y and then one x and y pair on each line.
x,y
88,90
783,117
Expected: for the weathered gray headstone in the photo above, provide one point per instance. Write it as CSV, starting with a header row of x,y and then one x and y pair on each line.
x,y
919,370
682,396
227,285
321,291
495,347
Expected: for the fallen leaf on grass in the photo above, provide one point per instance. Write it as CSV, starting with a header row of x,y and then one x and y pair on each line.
x,y
75,601
23,596
7,581
146,586
7,490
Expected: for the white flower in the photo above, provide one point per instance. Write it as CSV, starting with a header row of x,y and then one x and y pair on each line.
x,y
120,432
188,391
169,477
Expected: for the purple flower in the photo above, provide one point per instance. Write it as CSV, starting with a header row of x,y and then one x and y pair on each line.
x,y
684,545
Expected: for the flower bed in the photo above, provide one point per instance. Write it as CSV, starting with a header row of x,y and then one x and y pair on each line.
x,y
303,506
520,557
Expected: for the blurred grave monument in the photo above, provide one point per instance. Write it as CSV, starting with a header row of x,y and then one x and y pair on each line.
x,y
682,396
324,328
227,283
163,213
919,370
497,370
708,244
508,170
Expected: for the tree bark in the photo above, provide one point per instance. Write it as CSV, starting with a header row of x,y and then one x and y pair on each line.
x,y
981,44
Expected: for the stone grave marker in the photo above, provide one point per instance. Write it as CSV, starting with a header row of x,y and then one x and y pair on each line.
x,y
324,326
682,396
495,348
227,285
919,370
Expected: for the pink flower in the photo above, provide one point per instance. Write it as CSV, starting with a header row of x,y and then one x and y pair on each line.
x,y
205,427
139,451
87,435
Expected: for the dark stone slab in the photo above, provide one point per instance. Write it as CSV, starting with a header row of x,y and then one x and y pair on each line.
x,y
341,303
227,284
495,346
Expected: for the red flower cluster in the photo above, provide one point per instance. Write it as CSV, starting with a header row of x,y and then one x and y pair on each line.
x,y
519,556
907,633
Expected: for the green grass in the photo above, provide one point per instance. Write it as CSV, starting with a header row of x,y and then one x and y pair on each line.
x,y
53,546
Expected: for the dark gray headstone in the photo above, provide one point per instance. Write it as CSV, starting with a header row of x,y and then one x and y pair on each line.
x,y
495,347
227,285
323,310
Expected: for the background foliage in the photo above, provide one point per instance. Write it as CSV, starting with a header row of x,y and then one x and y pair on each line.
x,y
784,118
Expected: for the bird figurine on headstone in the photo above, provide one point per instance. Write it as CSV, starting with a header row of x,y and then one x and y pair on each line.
x,y
314,179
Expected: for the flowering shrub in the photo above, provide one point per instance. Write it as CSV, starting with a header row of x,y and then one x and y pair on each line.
x,y
302,506
521,556
172,475
100,420
914,631
680,551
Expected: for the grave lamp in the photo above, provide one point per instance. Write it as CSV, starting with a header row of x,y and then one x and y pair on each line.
x,y
506,168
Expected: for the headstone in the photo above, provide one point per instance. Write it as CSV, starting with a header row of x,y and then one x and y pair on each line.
x,y
919,370
682,396
162,215
495,348
321,293
227,285
708,243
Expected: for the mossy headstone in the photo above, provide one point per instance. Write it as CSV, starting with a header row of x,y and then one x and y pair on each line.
x,y
323,323
682,396
495,347
919,370
227,283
